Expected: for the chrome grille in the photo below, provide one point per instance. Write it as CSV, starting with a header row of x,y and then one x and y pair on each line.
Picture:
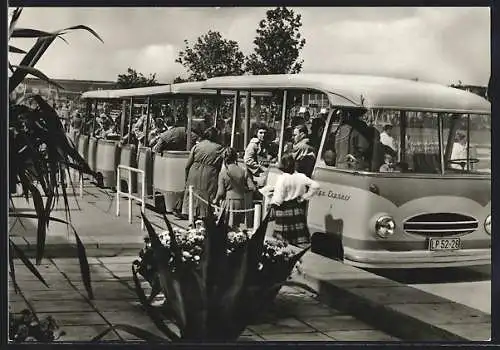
x,y
440,224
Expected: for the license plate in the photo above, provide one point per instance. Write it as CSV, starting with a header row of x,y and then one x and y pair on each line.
x,y
444,244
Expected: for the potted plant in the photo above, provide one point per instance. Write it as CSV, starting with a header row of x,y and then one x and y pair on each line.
x,y
216,280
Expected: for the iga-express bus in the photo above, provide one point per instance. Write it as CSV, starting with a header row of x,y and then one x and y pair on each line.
x,y
421,195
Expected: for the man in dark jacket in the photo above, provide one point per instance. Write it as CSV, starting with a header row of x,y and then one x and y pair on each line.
x,y
174,139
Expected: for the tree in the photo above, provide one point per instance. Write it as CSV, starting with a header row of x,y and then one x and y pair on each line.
x,y
132,79
278,44
211,56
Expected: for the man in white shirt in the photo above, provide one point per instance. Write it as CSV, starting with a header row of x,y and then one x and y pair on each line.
x,y
386,138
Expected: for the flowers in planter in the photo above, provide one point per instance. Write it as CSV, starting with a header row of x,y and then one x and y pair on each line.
x,y
215,279
27,328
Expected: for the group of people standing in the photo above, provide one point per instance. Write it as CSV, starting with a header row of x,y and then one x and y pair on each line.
x,y
216,178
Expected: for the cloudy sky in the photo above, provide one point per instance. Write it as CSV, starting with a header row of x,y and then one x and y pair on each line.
x,y
441,45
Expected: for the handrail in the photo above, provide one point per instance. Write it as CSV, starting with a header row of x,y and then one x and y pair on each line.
x,y
129,194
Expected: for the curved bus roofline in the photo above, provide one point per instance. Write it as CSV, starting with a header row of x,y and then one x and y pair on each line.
x,y
349,90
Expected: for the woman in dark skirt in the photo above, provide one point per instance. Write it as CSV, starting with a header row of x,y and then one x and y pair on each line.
x,y
291,191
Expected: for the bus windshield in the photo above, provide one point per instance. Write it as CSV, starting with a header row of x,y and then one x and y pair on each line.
x,y
409,142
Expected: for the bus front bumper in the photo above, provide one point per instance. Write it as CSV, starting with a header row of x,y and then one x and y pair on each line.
x,y
416,259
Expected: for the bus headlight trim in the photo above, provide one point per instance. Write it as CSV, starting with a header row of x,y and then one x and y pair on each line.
x,y
487,224
385,226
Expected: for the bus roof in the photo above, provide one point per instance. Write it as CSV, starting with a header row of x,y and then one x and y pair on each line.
x,y
363,91
188,88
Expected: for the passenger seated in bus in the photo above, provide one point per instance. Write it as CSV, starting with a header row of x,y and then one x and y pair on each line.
x,y
387,139
388,166
140,126
174,138
302,151
351,143
256,156
158,127
112,132
272,143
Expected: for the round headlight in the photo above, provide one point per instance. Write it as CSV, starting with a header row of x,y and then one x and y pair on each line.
x,y
487,224
384,226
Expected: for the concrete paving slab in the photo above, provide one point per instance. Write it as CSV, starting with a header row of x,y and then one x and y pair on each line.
x,y
438,314
52,295
76,318
117,260
125,267
361,335
86,333
396,295
336,322
250,338
75,305
285,325
117,305
109,290
74,261
475,332
36,285
314,336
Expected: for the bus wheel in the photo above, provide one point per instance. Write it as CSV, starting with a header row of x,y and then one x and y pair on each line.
x,y
327,245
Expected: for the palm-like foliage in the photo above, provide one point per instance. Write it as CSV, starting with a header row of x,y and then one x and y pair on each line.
x,y
39,152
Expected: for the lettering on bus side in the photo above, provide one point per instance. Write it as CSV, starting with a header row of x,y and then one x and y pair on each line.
x,y
334,195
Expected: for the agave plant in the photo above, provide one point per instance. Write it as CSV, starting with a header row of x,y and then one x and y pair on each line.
x,y
215,283
39,152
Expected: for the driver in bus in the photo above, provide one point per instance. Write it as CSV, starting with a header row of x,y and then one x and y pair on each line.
x,y
459,152
387,139
351,143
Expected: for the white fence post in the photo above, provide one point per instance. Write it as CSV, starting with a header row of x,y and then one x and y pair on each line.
x,y
129,194
81,185
129,197
142,198
191,213
257,215
118,190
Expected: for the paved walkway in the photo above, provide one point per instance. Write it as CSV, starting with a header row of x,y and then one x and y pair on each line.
x,y
296,316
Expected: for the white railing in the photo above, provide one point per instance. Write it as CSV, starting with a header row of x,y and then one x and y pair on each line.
x,y
129,194
257,209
